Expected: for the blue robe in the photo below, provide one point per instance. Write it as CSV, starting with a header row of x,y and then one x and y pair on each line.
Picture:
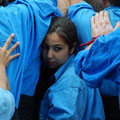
x,y
29,20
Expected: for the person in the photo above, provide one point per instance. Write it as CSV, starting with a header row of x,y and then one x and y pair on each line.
x,y
68,97
7,102
80,12
107,68
29,20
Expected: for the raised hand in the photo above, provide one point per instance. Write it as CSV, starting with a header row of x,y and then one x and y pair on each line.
x,y
5,56
100,24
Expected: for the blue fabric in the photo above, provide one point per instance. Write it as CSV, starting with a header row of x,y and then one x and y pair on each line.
x,y
81,14
29,20
7,105
101,62
70,99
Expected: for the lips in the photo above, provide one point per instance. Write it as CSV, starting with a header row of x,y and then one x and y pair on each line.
x,y
50,63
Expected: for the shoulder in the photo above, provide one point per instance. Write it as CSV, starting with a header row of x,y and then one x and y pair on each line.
x,y
69,79
7,104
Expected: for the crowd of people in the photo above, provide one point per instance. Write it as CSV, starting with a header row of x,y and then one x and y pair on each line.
x,y
61,61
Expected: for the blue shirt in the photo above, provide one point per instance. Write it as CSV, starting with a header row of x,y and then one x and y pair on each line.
x,y
29,20
70,99
101,61
7,105
81,14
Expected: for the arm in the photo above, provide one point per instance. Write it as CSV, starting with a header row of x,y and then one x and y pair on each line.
x,y
64,104
5,58
100,24
7,102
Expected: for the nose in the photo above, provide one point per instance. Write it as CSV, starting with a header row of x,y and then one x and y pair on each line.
x,y
49,54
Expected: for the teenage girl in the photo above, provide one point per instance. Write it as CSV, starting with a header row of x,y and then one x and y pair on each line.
x,y
68,98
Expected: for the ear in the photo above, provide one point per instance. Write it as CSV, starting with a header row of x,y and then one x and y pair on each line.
x,y
72,49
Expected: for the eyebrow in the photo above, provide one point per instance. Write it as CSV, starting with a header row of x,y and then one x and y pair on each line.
x,y
57,45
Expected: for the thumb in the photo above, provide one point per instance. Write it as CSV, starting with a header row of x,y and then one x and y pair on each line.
x,y
117,25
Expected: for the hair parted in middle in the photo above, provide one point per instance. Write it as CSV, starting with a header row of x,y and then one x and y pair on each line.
x,y
65,28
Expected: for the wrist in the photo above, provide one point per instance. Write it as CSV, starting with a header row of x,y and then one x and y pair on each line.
x,y
2,68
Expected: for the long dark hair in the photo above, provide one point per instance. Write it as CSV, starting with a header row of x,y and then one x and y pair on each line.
x,y
65,28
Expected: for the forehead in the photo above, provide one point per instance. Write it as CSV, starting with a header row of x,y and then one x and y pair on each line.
x,y
53,39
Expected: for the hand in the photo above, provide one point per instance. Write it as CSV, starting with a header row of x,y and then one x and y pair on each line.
x,y
100,24
5,56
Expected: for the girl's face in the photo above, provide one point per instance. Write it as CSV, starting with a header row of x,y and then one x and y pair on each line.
x,y
55,51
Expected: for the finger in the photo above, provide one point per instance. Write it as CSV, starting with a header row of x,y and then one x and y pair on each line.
x,y
13,47
14,56
96,18
106,17
101,16
7,43
92,22
117,25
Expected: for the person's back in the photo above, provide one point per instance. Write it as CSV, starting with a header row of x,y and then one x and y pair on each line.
x,y
25,18
82,12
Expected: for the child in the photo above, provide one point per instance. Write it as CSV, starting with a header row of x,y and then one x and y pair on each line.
x,y
68,98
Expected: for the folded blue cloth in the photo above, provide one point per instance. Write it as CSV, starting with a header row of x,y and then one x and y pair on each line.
x,y
101,61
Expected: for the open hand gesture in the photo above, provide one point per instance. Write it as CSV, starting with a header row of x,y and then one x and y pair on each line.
x,y
5,56
100,24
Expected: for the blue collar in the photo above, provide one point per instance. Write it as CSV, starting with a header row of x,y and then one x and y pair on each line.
x,y
64,67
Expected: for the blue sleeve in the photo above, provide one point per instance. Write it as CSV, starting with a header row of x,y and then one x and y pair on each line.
x,y
7,105
81,14
76,104
108,87
67,104
102,60
29,20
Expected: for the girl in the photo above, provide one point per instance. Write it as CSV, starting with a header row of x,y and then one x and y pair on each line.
x,y
68,98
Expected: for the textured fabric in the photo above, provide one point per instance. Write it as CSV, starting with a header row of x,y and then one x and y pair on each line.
x,y
81,14
70,99
25,109
29,20
7,105
101,62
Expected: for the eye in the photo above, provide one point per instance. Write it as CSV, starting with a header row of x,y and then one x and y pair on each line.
x,y
57,49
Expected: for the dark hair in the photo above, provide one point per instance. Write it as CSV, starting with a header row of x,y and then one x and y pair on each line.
x,y
65,28
96,4
114,2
